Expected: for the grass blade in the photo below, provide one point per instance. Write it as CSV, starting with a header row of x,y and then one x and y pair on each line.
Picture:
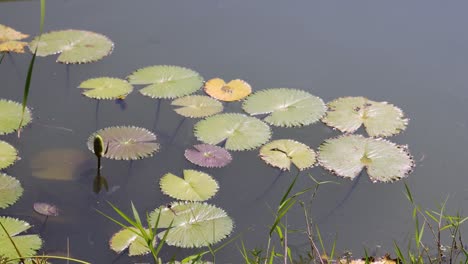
x,y
2,56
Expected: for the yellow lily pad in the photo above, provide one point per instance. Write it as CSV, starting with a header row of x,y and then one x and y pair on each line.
x,y
234,90
9,40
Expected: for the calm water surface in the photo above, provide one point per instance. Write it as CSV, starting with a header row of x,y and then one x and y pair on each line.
x,y
412,54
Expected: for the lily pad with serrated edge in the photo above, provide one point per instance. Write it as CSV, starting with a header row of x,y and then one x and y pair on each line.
x,y
281,153
10,116
75,46
106,88
195,186
380,119
347,155
10,190
210,156
126,142
8,154
285,107
9,40
126,238
241,132
28,245
234,90
166,82
195,106
194,224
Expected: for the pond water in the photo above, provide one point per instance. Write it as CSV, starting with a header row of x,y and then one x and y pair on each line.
x,y
412,54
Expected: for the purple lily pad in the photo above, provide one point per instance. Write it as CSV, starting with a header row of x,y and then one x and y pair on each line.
x,y
46,209
210,156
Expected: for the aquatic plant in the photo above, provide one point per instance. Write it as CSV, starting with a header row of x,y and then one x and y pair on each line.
x,y
46,209
129,238
234,90
8,155
166,82
11,117
10,40
196,106
210,156
59,164
13,243
10,190
284,152
195,186
106,88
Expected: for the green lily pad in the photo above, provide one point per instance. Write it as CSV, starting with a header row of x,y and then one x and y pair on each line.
x,y
126,238
8,155
285,107
28,245
106,88
281,153
196,186
241,132
196,106
10,116
347,155
194,224
75,46
10,190
380,119
166,81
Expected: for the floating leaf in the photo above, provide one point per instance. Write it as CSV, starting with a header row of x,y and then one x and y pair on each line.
x,y
194,224
26,244
166,81
9,40
10,116
46,209
126,238
210,156
58,164
241,132
75,46
196,186
285,107
8,155
126,142
10,191
348,155
380,119
281,153
195,106
106,88
234,90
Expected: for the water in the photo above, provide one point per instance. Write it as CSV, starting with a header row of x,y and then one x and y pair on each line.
x,y
412,54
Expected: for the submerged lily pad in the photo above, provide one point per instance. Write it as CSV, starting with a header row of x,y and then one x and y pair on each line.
x,y
166,81
126,142
10,190
194,224
281,153
10,116
106,88
380,119
126,238
58,164
8,154
28,245
9,40
207,155
234,90
75,46
195,186
46,209
196,106
285,107
347,155
241,132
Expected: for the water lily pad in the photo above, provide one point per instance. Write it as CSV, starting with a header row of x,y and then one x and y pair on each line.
x,y
210,156
194,224
106,88
125,238
126,142
8,155
195,186
241,132
285,107
58,164
347,155
10,190
166,81
380,119
75,46
196,106
9,40
28,245
281,153
46,209
10,116
234,90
